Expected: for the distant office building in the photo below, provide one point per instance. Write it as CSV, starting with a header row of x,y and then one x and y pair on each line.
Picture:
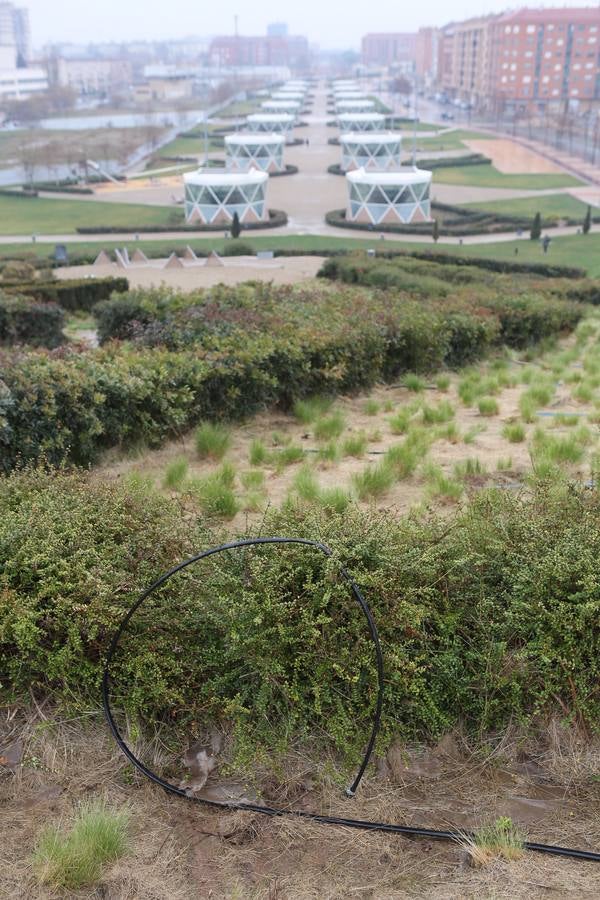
x,y
388,49
91,76
277,29
20,84
15,32
287,50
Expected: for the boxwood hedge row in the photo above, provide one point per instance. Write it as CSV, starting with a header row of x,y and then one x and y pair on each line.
x,y
24,320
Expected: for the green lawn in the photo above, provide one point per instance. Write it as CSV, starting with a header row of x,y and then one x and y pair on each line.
x,y
450,140
184,147
559,206
487,176
40,215
575,250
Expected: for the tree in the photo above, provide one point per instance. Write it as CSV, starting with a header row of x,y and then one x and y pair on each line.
x,y
401,85
435,232
536,227
587,222
236,228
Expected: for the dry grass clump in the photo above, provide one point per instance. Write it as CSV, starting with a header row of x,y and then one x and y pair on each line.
x,y
77,857
500,840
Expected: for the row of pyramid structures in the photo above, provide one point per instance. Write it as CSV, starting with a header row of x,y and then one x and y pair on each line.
x,y
139,258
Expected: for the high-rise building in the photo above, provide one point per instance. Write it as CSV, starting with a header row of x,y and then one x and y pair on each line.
x,y
15,32
386,49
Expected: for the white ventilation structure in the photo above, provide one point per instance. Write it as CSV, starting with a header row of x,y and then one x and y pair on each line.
x,y
294,96
277,123
378,198
212,198
371,150
290,107
254,151
361,121
354,106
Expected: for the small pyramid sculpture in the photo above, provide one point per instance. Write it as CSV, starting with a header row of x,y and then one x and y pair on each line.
x,y
173,262
214,259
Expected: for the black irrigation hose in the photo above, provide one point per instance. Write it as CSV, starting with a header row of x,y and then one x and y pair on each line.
x,y
362,824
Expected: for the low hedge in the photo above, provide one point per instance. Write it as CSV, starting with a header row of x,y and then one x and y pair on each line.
x,y
71,294
349,268
277,219
464,223
24,320
488,616
231,351
472,159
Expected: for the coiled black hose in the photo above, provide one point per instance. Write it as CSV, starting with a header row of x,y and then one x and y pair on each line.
x,y
364,825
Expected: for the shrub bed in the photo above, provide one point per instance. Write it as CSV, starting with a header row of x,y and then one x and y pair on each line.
x,y
71,294
452,220
24,320
488,617
231,351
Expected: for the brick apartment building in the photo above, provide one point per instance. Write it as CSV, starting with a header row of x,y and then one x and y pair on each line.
x,y
526,60
263,50
388,49
545,58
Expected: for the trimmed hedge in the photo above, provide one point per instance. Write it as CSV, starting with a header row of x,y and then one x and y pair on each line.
x,y
229,352
471,159
463,222
71,294
24,320
277,219
488,616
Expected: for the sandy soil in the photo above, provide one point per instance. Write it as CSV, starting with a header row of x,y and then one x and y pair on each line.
x,y
512,158
288,270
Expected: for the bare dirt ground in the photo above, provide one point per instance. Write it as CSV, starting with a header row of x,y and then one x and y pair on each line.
x,y
511,158
182,850
288,270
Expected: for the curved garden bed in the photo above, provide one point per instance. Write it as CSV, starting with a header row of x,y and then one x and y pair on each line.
x,y
457,221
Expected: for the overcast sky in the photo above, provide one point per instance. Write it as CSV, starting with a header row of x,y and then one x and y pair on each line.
x,y
330,23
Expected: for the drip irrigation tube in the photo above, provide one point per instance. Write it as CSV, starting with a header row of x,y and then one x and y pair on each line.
x,y
362,824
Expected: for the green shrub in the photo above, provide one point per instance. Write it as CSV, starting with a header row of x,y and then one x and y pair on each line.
x,y
488,615
259,455
374,481
77,858
176,473
488,406
355,445
24,320
306,411
212,440
514,432
329,427
73,294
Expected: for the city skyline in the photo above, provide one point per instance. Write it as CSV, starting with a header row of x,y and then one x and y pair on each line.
x,y
330,26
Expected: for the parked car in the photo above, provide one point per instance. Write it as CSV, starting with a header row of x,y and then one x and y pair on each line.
x,y
447,116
